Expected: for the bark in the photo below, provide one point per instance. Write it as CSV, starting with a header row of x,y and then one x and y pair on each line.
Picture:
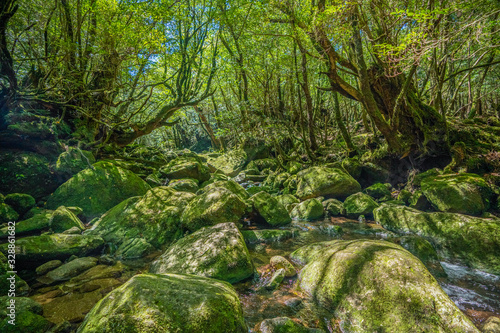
x,y
7,9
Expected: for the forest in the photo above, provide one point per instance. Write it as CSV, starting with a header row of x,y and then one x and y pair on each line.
x,y
231,166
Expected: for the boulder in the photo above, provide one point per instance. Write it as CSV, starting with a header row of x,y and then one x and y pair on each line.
x,y
359,204
184,185
48,266
280,262
378,190
63,219
308,210
71,269
321,181
73,161
7,283
98,189
37,223
230,185
186,167
217,205
472,239
275,280
333,207
283,325
21,202
230,163
134,248
462,193
266,236
28,316
270,209
168,303
491,325
7,214
225,255
375,286
286,199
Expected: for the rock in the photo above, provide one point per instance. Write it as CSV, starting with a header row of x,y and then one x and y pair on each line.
x,y
26,172
106,260
73,231
279,262
40,249
9,281
230,185
472,239
293,302
280,180
184,185
71,269
36,223
63,219
491,325
217,205
7,214
48,266
359,204
462,193
373,286
97,190
404,196
270,209
276,279
230,163
283,325
431,173
308,210
333,207
134,248
155,217
186,167
264,163
73,161
286,199
322,181
293,167
20,202
378,190
168,303
266,235
423,250
419,201
224,255
27,314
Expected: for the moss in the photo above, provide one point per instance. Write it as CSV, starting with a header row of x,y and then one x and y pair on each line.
x,y
376,286
134,248
256,189
419,201
280,179
266,236
63,219
308,210
97,190
270,209
230,163
378,190
333,207
27,322
404,196
73,161
185,185
359,204
282,325
230,185
186,167
7,214
37,223
471,239
321,181
150,303
21,203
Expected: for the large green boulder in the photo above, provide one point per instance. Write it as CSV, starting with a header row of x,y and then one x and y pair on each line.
x,y
462,193
155,217
63,219
184,185
26,315
270,209
73,161
225,255
266,235
284,325
186,167
333,207
376,286
309,210
217,205
21,202
359,204
287,199
10,281
37,223
7,214
98,189
472,239
150,303
230,185
378,190
230,163
26,172
321,181
40,249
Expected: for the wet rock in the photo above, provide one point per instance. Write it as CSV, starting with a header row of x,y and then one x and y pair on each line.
x,y
329,182
278,262
48,266
71,269
97,190
354,278
266,236
7,214
184,185
186,167
491,325
276,279
171,302
283,325
21,203
224,255
134,248
217,205
155,217
270,209
333,207
308,210
359,204
472,239
423,250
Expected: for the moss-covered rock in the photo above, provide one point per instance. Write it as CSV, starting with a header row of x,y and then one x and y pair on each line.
x,y
404,196
97,190
278,262
217,205
186,167
7,214
378,191
39,249
333,207
134,248
168,303
264,163
225,255
330,182
270,209
21,202
431,173
359,204
37,223
73,161
155,217
280,179
9,280
266,235
308,210
71,269
491,325
462,193
283,325
286,199
374,286
27,314
26,172
230,163
184,185
419,201
63,219
472,239
230,185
